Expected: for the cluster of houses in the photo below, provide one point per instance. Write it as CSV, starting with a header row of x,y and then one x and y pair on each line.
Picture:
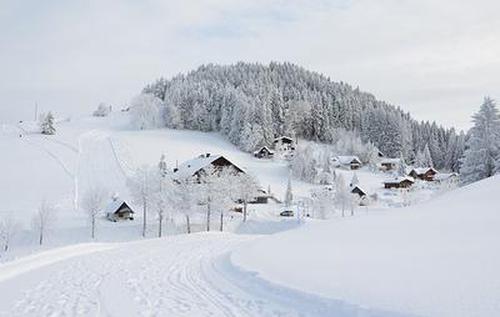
x,y
428,174
118,209
281,144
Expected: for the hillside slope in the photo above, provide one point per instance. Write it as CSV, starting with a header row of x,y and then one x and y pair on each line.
x,y
434,259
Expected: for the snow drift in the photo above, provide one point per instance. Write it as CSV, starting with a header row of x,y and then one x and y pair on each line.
x,y
434,259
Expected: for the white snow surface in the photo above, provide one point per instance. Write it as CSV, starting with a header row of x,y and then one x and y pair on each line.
x,y
438,258
186,275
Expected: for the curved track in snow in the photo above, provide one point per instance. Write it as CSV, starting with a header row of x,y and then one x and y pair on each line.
x,y
189,275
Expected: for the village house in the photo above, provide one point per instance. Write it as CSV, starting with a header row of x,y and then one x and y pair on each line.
x,y
284,143
118,210
425,173
262,198
390,164
400,182
263,152
194,168
350,161
363,195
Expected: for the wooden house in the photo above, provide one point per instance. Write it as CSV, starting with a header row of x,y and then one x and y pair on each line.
x,y
195,167
400,182
263,152
390,164
118,210
284,143
347,161
262,198
425,174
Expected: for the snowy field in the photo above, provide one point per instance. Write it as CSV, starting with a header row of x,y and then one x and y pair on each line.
x,y
431,259
438,258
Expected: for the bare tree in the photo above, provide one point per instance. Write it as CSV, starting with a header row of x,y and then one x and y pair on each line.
x,y
142,188
247,188
43,218
8,229
342,194
185,199
92,204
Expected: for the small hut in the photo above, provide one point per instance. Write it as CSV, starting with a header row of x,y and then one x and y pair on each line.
x,y
284,143
425,174
400,182
347,161
263,152
118,210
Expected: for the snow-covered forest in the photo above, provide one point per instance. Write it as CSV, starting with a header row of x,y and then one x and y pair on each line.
x,y
252,103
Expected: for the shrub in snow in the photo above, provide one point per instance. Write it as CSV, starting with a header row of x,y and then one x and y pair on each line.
x,y
145,111
102,110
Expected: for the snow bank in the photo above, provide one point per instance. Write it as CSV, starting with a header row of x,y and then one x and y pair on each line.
x,y
435,259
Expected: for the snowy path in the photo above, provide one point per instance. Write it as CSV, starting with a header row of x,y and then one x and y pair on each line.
x,y
188,275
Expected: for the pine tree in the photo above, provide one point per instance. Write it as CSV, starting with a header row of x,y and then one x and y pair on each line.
x,y
47,124
483,146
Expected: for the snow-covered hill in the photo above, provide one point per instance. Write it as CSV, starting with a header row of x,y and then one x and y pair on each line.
x,y
439,258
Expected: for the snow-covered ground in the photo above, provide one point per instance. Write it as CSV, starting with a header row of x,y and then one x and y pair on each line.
x,y
438,258
89,151
422,260
186,275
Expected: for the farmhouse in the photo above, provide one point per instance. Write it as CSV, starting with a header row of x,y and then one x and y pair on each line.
x,y
194,167
400,182
426,174
284,143
389,164
118,209
350,162
263,152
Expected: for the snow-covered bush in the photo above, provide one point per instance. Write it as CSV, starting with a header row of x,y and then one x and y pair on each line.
x,y
102,110
146,112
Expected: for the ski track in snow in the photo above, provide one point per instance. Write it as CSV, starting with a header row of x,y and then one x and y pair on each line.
x,y
189,275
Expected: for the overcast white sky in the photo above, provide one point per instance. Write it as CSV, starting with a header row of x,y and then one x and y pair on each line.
x,y
436,59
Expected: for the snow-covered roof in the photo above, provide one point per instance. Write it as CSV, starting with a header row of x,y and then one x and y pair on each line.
x,y
283,137
190,167
113,206
347,159
423,170
390,161
398,180
359,188
264,148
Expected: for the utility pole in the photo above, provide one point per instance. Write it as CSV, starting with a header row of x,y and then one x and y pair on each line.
x,y
36,111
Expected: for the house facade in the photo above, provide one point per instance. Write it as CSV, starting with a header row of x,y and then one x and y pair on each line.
x,y
401,182
425,174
